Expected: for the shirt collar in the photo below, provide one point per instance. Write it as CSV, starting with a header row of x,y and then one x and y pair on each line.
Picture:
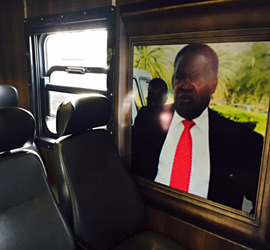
x,y
201,121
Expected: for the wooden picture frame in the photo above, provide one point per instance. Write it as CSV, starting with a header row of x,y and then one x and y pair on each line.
x,y
183,216
217,218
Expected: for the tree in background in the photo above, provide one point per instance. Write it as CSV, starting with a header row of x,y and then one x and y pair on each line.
x,y
156,60
227,73
243,77
252,86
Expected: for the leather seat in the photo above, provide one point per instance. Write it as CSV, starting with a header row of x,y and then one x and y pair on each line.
x,y
29,216
96,192
8,96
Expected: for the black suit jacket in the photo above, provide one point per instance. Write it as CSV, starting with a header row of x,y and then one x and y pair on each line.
x,y
235,154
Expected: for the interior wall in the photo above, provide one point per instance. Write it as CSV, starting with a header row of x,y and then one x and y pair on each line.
x,y
35,8
13,62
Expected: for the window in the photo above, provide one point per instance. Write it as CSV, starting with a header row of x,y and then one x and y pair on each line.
x,y
141,78
69,55
75,59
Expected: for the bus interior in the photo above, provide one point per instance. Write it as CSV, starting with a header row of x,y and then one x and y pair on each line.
x,y
74,78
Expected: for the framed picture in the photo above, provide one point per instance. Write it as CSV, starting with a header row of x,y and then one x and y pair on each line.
x,y
241,97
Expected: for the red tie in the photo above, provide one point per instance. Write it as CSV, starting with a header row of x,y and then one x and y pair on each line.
x,y
183,159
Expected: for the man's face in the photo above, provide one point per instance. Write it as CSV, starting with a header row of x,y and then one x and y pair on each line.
x,y
194,82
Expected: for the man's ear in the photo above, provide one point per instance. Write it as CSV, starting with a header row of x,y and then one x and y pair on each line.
x,y
214,85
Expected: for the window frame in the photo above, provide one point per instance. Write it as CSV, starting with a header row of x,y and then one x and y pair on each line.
x,y
36,31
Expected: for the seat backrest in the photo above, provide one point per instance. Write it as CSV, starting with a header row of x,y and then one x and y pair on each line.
x,y
29,216
8,96
96,192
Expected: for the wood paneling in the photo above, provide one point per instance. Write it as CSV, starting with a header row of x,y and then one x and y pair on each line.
x,y
12,47
47,156
35,8
188,235
206,16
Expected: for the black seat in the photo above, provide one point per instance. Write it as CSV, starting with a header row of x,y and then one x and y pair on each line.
x,y
8,96
29,216
96,192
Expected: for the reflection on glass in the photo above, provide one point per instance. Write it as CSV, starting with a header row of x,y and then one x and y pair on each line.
x,y
224,88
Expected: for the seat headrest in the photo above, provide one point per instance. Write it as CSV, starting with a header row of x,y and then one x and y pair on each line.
x,y
17,128
8,96
83,113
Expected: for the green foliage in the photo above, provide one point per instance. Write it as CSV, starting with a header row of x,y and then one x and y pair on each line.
x,y
250,118
156,60
248,76
253,82
227,72
243,76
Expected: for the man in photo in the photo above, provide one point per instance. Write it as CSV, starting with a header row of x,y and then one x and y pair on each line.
x,y
222,157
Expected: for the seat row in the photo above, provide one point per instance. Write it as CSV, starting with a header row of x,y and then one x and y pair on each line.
x,y
99,206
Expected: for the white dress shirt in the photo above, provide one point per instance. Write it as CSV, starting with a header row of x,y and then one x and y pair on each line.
x,y
200,170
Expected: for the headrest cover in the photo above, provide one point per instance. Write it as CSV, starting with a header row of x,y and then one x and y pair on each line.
x,y
85,112
17,128
8,96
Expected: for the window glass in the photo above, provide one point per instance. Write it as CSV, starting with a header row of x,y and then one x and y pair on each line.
x,y
144,86
80,48
54,100
69,54
86,80
136,95
76,60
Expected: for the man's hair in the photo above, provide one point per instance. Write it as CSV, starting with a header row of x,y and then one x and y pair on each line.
x,y
199,48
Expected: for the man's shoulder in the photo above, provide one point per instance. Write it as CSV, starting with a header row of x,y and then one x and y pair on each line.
x,y
151,120
231,128
156,109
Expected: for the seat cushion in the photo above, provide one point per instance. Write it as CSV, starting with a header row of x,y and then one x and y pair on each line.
x,y
29,216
